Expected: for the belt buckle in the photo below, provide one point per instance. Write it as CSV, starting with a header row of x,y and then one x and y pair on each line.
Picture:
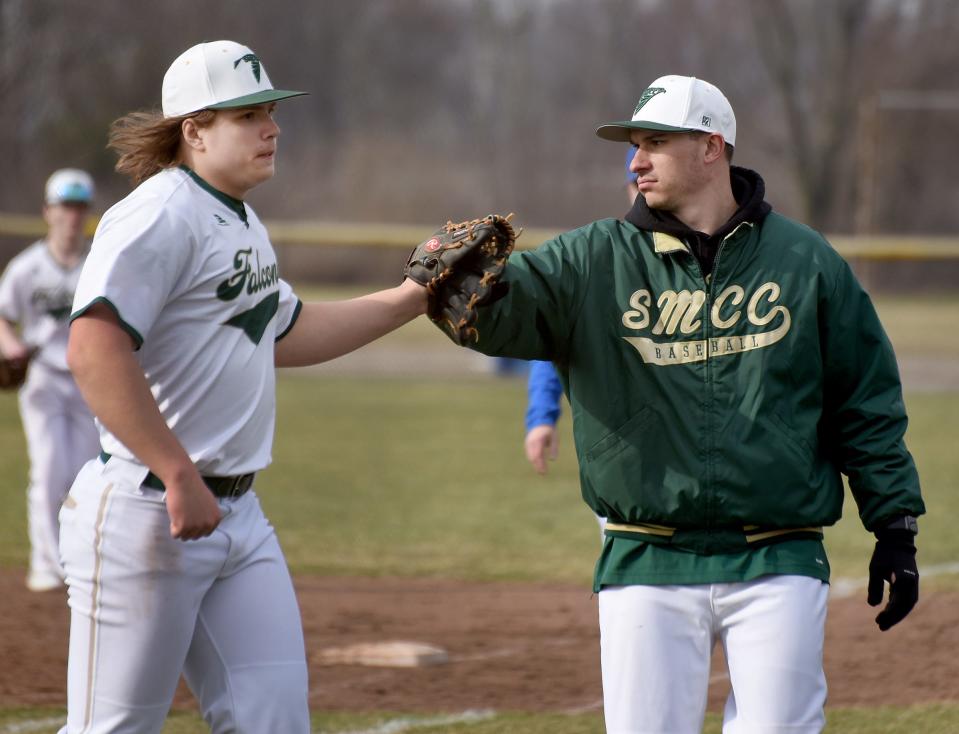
x,y
233,490
240,484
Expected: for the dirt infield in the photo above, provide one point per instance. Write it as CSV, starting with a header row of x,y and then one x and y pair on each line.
x,y
530,647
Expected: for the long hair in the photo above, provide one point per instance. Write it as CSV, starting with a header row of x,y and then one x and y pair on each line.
x,y
148,142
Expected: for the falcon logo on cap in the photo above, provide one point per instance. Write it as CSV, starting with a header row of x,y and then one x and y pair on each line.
x,y
254,64
645,97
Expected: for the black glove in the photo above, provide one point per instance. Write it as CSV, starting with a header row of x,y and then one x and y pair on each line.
x,y
894,560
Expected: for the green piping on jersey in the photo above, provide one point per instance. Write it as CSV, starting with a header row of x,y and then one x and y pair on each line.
x,y
253,321
138,340
235,205
296,315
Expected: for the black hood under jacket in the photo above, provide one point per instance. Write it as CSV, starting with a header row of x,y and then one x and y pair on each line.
x,y
749,192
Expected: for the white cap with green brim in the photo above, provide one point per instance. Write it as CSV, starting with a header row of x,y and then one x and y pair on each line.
x,y
677,104
69,186
217,75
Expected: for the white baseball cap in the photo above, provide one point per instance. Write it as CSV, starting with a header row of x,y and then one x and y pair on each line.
x,y
677,104
217,75
69,186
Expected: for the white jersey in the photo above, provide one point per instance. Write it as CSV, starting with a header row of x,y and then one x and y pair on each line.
x,y
192,276
36,292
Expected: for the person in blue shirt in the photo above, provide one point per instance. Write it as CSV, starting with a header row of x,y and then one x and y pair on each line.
x,y
544,392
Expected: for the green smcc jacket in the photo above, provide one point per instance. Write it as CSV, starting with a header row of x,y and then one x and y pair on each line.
x,y
710,406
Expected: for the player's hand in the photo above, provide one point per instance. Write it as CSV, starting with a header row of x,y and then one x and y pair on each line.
x,y
894,560
542,443
16,351
193,510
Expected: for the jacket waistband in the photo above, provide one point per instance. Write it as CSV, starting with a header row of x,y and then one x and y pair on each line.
x,y
752,533
226,487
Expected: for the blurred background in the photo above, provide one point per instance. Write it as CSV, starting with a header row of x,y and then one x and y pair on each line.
x,y
421,110
424,110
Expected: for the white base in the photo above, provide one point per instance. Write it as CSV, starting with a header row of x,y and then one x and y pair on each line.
x,y
392,654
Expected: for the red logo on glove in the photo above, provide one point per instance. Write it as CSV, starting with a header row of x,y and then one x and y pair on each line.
x,y
432,246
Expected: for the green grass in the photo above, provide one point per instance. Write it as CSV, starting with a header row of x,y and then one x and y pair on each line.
x,y
921,325
13,468
368,478
928,719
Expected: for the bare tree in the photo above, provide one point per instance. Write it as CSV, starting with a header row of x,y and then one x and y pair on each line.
x,y
812,52
426,108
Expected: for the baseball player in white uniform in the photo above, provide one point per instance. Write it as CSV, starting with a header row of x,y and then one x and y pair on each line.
x,y
179,319
36,292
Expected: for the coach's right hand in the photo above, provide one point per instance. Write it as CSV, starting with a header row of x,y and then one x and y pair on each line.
x,y
193,510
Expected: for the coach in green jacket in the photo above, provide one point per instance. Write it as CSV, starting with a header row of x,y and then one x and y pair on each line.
x,y
724,368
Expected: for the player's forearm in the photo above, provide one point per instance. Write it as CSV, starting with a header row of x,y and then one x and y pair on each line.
x,y
326,330
10,344
113,385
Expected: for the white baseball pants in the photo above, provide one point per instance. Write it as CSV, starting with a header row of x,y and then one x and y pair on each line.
x,y
656,643
61,437
146,607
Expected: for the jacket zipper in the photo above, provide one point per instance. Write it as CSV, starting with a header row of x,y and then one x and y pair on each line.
x,y
710,430
707,384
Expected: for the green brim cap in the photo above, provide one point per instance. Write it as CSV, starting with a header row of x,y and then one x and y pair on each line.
x,y
619,131
677,104
262,97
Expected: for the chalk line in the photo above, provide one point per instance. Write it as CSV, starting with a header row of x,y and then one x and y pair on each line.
x,y
397,726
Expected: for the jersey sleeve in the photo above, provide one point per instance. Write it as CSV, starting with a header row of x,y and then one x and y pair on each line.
x,y
135,263
535,319
864,419
543,395
11,302
288,311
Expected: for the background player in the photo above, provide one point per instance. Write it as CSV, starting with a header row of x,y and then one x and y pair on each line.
x,y
724,368
36,291
544,394
180,316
